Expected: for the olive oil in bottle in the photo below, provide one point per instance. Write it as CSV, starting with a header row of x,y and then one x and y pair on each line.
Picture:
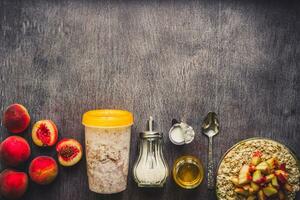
x,y
188,172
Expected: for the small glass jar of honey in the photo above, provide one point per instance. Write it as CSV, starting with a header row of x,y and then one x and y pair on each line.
x,y
188,172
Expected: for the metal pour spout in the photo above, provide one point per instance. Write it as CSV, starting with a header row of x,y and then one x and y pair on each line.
x,y
150,124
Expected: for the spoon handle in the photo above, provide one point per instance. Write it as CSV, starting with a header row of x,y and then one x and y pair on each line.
x,y
210,167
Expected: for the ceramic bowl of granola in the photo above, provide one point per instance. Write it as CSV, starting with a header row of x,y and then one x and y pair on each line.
x,y
258,169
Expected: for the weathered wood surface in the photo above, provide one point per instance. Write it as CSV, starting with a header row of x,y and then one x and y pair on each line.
x,y
169,59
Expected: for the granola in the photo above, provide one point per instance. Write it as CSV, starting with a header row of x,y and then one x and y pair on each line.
x,y
240,155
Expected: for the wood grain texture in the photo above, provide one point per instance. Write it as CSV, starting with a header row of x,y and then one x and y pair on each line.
x,y
168,59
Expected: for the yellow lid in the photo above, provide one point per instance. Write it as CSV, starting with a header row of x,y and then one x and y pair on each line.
x,y
107,118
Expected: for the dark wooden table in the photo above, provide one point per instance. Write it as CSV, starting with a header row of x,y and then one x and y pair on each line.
x,y
168,59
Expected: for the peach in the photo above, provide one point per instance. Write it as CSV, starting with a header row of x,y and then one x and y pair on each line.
x,y
16,118
43,170
14,150
13,184
44,133
69,152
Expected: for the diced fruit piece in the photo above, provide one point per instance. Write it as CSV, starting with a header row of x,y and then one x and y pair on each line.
x,y
261,195
252,197
270,184
275,182
263,166
256,158
44,133
282,167
246,187
281,175
254,186
258,177
270,191
257,154
251,191
43,170
272,162
288,187
281,195
269,177
13,184
255,161
244,175
241,191
14,150
235,181
252,168
69,152
16,118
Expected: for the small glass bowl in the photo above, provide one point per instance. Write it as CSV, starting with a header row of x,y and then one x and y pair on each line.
x,y
195,167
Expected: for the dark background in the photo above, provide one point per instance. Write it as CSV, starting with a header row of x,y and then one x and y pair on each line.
x,y
169,59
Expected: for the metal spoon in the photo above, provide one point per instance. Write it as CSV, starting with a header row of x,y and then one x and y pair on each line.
x,y
210,128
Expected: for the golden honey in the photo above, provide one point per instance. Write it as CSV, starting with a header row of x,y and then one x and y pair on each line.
x,y
188,172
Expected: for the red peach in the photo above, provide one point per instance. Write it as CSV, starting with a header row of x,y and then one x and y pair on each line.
x,y
69,152
43,170
14,150
13,184
16,118
44,133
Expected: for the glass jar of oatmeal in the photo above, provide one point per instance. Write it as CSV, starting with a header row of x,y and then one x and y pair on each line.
x,y
107,140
